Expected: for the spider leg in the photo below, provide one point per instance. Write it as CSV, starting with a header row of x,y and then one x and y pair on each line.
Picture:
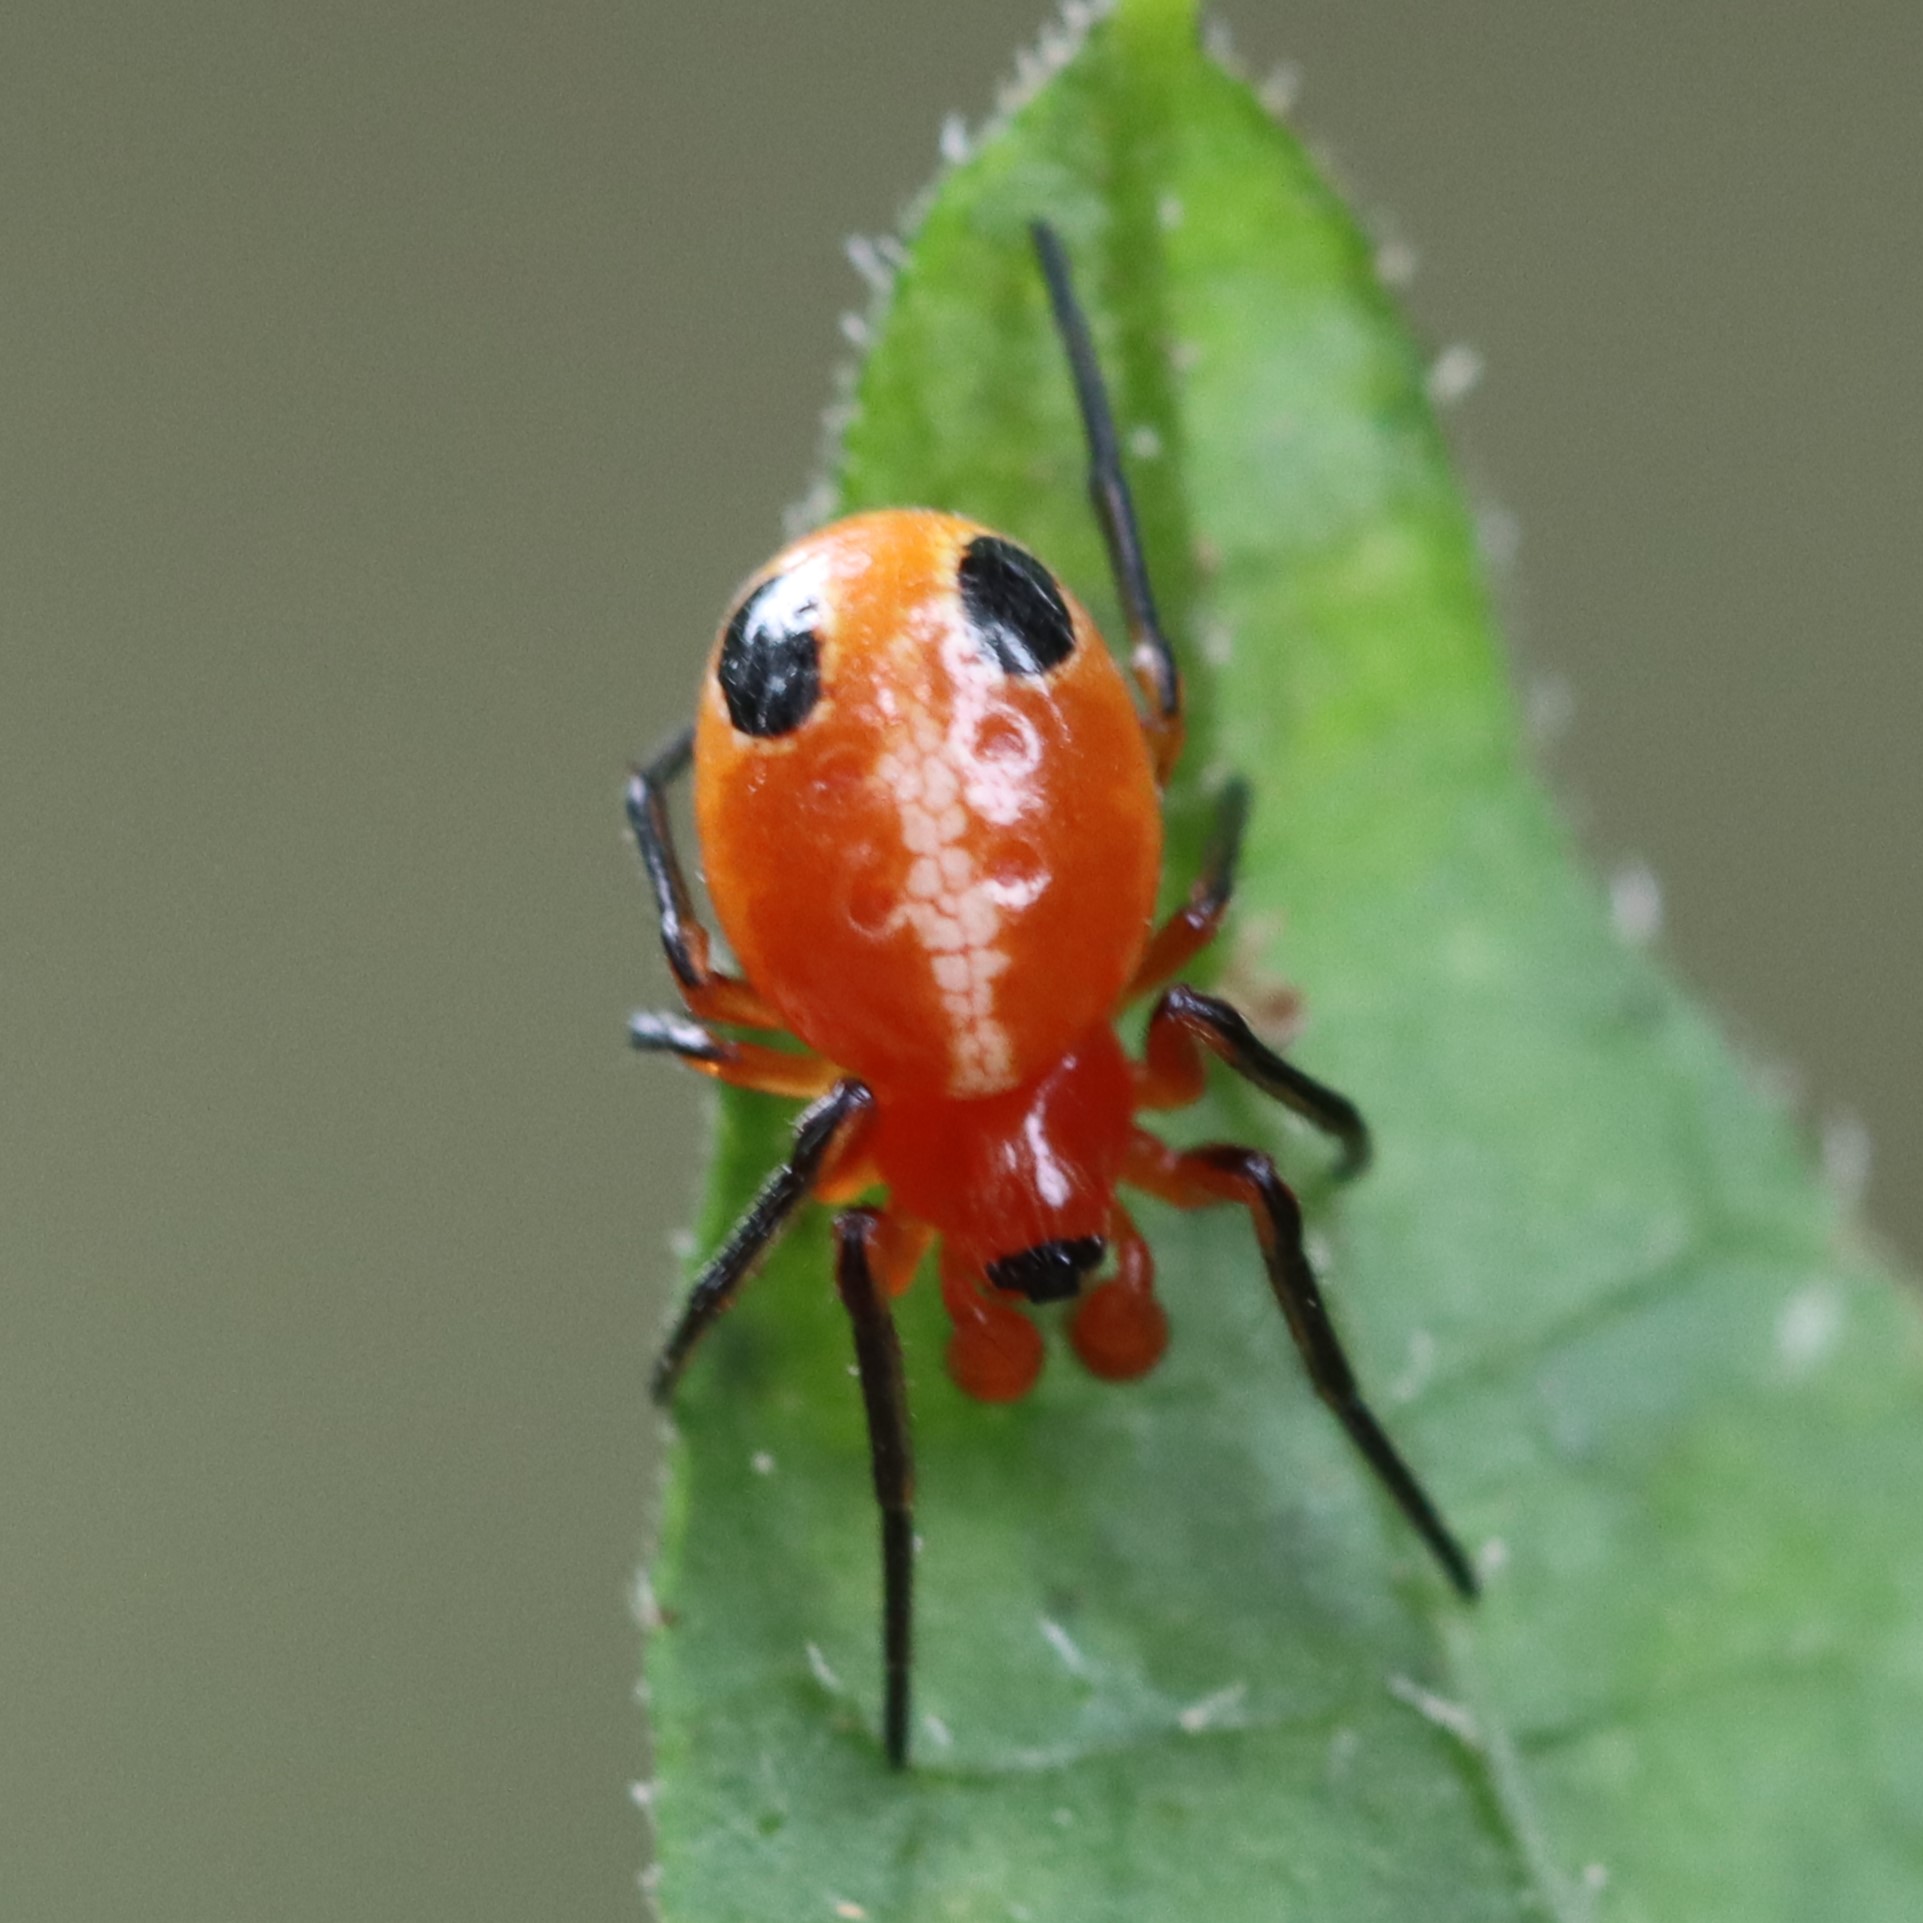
x,y
1223,1173
769,1071
1185,1021
709,993
1195,924
824,1133
884,1395
1149,652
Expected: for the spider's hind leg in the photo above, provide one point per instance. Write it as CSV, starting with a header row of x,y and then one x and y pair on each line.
x,y
1149,652
1199,919
801,1076
710,994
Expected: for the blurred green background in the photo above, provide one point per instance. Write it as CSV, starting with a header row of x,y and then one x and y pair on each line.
x,y
389,398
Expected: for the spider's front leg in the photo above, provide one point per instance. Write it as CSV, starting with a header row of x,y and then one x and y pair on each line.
x,y
874,1255
826,1134
884,1396
1221,1172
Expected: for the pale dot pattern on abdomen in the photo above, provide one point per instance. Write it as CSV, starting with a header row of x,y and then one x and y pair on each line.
x,y
950,904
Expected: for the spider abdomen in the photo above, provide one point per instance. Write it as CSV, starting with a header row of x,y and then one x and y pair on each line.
x,y
928,815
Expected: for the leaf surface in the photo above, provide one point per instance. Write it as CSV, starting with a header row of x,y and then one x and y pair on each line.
x,y
1176,1657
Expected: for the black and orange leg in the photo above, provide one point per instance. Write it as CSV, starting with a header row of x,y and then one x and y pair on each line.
x,y
1221,1173
709,993
896,1251
1172,1072
1149,652
1195,924
800,1076
884,1395
825,1133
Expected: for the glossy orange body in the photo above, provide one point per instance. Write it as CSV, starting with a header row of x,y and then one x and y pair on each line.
x,y
945,876
1006,1172
930,818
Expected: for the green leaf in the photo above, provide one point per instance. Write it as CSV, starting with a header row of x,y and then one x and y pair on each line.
x,y
1178,1657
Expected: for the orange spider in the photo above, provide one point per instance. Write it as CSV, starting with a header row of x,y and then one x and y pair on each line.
x,y
930,825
